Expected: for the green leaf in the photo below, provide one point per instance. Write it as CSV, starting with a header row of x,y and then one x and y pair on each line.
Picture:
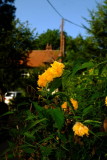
x,y
92,122
29,135
46,151
7,113
96,95
11,156
30,115
61,94
26,145
87,110
33,124
77,117
100,134
22,104
47,139
60,153
37,107
58,117
78,67
75,69
28,150
87,65
55,84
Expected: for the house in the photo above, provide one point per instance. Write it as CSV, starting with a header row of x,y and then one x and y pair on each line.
x,y
39,58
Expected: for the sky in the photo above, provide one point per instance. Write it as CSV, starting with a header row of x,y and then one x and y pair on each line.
x,y
41,15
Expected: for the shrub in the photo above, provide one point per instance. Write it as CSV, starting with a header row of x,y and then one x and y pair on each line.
x,y
70,124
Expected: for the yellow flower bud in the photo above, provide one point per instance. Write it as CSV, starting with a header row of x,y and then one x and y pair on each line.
x,y
106,101
64,106
74,103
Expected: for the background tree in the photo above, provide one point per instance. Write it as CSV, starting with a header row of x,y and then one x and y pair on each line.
x,y
94,46
51,37
98,30
79,50
7,15
14,52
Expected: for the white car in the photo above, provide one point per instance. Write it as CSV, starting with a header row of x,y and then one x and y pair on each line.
x,y
10,96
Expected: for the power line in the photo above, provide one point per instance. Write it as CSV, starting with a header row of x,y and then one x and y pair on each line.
x,y
73,23
54,9
62,16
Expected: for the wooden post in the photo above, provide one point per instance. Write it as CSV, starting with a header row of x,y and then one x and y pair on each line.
x,y
62,40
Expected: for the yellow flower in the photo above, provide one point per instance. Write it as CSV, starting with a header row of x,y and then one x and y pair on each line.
x,y
57,68
57,64
91,70
52,72
106,101
42,81
48,76
74,103
64,106
80,129
57,138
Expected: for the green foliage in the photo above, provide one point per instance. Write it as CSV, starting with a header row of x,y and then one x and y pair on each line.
x,y
58,117
79,67
19,42
40,128
98,30
43,130
7,15
80,50
51,37
94,46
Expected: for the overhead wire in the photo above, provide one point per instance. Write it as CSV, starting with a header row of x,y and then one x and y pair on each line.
x,y
55,9
62,16
73,23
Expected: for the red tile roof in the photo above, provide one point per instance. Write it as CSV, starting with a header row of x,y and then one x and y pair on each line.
x,y
40,57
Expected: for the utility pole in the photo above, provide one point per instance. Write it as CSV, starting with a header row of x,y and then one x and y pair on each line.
x,y
62,39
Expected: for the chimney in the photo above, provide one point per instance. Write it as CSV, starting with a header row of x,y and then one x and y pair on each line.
x,y
48,47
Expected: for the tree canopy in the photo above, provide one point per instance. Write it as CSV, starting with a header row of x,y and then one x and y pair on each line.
x,y
51,37
98,29
14,51
7,14
16,40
